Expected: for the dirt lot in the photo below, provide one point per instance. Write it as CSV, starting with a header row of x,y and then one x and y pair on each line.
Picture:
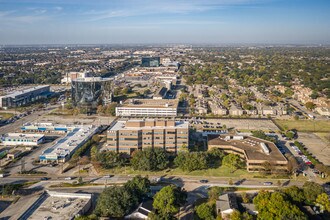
x,y
318,147
246,124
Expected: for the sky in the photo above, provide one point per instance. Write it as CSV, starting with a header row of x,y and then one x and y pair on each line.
x,y
166,21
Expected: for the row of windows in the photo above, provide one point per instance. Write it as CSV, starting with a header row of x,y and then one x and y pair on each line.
x,y
19,140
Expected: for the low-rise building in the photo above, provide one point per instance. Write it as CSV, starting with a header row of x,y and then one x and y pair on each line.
x,y
53,205
143,211
148,107
236,110
47,128
15,139
131,135
13,154
65,147
226,205
217,109
255,151
323,111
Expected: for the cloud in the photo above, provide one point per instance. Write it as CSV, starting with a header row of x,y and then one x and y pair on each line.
x,y
129,8
58,8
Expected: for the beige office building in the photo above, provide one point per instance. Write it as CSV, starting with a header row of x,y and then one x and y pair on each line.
x,y
254,150
130,135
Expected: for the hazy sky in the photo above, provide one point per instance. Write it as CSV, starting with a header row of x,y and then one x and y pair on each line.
x,y
166,21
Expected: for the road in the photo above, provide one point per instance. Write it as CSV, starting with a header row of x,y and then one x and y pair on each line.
x,y
305,111
13,127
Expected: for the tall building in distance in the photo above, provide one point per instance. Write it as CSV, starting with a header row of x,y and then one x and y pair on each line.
x,y
131,135
90,92
150,62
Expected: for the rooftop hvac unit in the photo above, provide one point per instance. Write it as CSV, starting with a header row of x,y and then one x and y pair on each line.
x,y
238,137
264,148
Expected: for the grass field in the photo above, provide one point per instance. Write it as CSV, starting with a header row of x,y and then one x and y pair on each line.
x,y
6,116
305,125
216,172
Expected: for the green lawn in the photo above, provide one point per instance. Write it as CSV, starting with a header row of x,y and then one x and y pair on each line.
x,y
305,125
212,172
6,116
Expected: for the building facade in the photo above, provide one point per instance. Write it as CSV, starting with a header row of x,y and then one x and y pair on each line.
x,y
16,139
257,152
150,62
131,135
148,107
90,92
24,97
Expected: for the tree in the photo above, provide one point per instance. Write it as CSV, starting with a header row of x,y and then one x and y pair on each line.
x,y
150,159
236,215
205,211
323,201
314,95
111,159
115,202
310,105
233,161
275,206
168,200
111,109
139,186
295,194
191,161
245,197
118,201
312,190
260,134
214,193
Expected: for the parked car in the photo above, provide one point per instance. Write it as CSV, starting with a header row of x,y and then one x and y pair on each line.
x,y
203,181
268,183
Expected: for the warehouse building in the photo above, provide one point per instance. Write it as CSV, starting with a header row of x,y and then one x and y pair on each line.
x,y
65,147
15,139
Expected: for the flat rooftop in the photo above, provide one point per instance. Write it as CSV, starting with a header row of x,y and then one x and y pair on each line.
x,y
121,125
250,145
69,143
55,205
23,91
22,136
91,79
47,127
150,103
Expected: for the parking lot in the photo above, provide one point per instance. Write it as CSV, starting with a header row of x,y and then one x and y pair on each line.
x,y
239,124
316,146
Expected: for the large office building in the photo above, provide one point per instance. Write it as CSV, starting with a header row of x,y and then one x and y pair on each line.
x,y
255,151
16,139
24,96
150,62
128,136
148,107
90,92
